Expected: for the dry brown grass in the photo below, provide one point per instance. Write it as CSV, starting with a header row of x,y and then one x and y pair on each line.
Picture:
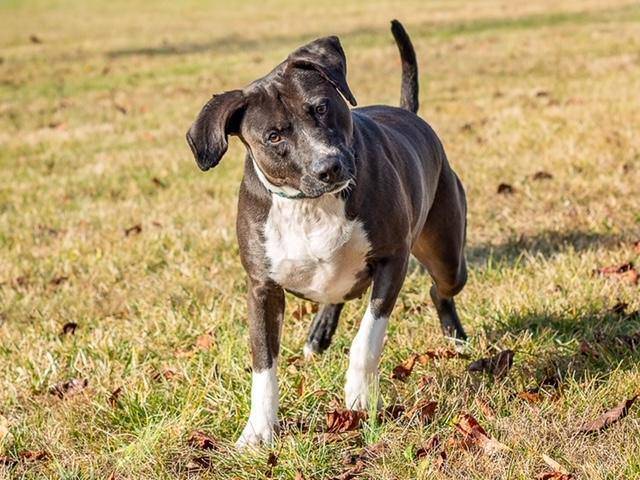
x,y
94,113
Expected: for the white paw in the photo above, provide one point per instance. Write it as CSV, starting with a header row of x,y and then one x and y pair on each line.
x,y
308,352
361,390
256,433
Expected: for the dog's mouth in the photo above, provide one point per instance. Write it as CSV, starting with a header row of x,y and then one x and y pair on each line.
x,y
329,189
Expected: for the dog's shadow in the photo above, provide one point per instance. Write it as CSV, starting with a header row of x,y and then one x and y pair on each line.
x,y
586,345
547,243
586,341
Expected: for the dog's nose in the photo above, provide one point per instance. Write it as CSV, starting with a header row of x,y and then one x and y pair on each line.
x,y
327,170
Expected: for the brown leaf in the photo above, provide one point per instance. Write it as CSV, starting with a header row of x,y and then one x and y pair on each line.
x,y
402,371
610,417
69,388
391,412
133,230
587,349
34,38
158,183
428,447
200,440
57,281
340,421
272,460
505,189
166,374
558,472
205,341
6,461
530,396
619,308
425,410
626,272
474,435
33,455
542,175
300,311
498,365
69,328
115,395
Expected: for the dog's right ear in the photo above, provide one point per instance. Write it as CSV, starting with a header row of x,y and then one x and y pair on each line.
x,y
219,118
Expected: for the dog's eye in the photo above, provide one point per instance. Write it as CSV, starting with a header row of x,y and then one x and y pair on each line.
x,y
274,137
321,109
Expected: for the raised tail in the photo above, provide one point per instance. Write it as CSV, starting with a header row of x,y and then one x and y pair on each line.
x,y
409,90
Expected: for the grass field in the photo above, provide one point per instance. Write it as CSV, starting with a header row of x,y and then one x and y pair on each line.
x,y
106,222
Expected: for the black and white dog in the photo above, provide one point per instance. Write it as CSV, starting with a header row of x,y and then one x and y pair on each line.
x,y
333,200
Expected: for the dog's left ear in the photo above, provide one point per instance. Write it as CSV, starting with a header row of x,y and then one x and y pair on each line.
x,y
327,57
219,118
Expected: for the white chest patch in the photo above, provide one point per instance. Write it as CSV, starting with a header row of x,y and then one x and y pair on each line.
x,y
313,248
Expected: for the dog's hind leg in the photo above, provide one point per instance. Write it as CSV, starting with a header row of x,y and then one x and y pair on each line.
x,y
322,329
440,248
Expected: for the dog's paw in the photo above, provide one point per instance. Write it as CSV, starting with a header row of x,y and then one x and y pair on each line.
x,y
309,351
256,433
361,391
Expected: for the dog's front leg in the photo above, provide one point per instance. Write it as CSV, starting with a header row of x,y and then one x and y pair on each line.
x,y
266,307
362,376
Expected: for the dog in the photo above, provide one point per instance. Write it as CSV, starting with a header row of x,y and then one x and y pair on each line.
x,y
334,200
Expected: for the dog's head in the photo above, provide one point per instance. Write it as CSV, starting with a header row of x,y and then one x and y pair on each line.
x,y
294,122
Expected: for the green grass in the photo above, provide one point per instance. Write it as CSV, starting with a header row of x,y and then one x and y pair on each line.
x,y
94,113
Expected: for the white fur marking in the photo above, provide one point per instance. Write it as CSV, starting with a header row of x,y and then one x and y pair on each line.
x,y
364,356
313,249
263,418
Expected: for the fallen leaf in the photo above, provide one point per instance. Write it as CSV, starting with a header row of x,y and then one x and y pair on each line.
x,y
69,388
505,189
134,230
34,38
205,341
428,447
558,472
300,311
402,371
115,395
340,421
272,460
619,308
474,435
610,417
424,410
530,396
7,462
166,374
498,365
391,412
542,175
33,455
69,328
587,349
158,183
626,272
57,281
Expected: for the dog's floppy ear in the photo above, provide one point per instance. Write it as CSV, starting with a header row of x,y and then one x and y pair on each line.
x,y
219,118
327,57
